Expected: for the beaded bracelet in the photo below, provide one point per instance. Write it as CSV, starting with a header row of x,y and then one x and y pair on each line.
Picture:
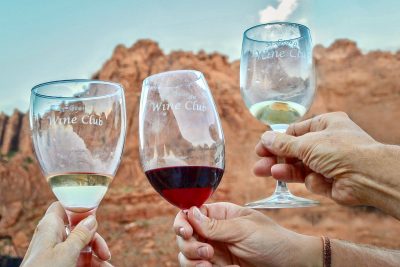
x,y
326,251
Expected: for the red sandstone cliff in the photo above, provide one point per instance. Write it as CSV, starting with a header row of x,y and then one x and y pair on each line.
x,y
366,86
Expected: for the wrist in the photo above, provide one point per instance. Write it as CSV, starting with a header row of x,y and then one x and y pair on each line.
x,y
381,178
308,251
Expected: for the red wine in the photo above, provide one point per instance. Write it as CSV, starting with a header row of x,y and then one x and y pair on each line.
x,y
185,186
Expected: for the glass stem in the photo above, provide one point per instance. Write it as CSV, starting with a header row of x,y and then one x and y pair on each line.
x,y
85,258
281,187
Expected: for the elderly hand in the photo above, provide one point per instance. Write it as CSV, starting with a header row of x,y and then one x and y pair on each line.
x,y
224,234
50,246
227,234
335,158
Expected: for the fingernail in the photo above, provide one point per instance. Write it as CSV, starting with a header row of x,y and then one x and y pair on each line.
x,y
182,232
202,252
89,222
268,138
201,264
197,214
109,256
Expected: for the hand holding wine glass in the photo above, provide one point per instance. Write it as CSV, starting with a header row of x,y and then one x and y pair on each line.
x,y
225,234
78,131
277,85
335,158
50,246
181,139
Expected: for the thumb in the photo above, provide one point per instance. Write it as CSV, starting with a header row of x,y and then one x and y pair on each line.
x,y
281,144
213,229
80,237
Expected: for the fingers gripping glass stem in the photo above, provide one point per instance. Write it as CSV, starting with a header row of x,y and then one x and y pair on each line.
x,y
282,198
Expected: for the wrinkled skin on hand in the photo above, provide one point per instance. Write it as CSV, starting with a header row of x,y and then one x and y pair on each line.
x,y
224,234
333,157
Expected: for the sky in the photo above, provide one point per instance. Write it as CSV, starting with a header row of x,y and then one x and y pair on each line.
x,y
52,39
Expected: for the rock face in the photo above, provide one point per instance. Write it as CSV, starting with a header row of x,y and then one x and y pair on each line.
x,y
11,130
366,86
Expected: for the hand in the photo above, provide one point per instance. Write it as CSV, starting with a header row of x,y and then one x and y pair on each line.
x,y
50,246
335,158
224,234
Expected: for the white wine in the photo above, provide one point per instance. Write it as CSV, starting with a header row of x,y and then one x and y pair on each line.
x,y
79,192
277,112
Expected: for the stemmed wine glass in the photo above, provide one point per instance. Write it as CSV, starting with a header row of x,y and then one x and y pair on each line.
x,y
78,131
181,138
277,83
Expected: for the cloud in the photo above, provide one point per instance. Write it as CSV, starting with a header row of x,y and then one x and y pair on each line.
x,y
303,21
281,13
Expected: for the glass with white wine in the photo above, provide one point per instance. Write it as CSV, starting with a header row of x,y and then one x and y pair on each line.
x,y
78,132
277,83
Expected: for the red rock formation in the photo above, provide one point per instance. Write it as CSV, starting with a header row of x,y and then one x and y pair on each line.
x,y
24,137
342,49
367,87
10,140
3,123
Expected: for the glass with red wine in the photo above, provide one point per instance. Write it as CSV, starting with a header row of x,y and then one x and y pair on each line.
x,y
78,132
182,149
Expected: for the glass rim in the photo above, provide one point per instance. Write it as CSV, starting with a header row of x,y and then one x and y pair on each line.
x,y
199,76
245,34
35,89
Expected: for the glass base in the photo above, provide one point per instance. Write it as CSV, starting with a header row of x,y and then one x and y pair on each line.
x,y
282,198
286,200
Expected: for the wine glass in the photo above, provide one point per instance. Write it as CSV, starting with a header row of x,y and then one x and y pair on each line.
x,y
181,138
78,131
277,83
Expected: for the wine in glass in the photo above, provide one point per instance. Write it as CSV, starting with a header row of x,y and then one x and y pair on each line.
x,y
277,83
78,131
181,138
